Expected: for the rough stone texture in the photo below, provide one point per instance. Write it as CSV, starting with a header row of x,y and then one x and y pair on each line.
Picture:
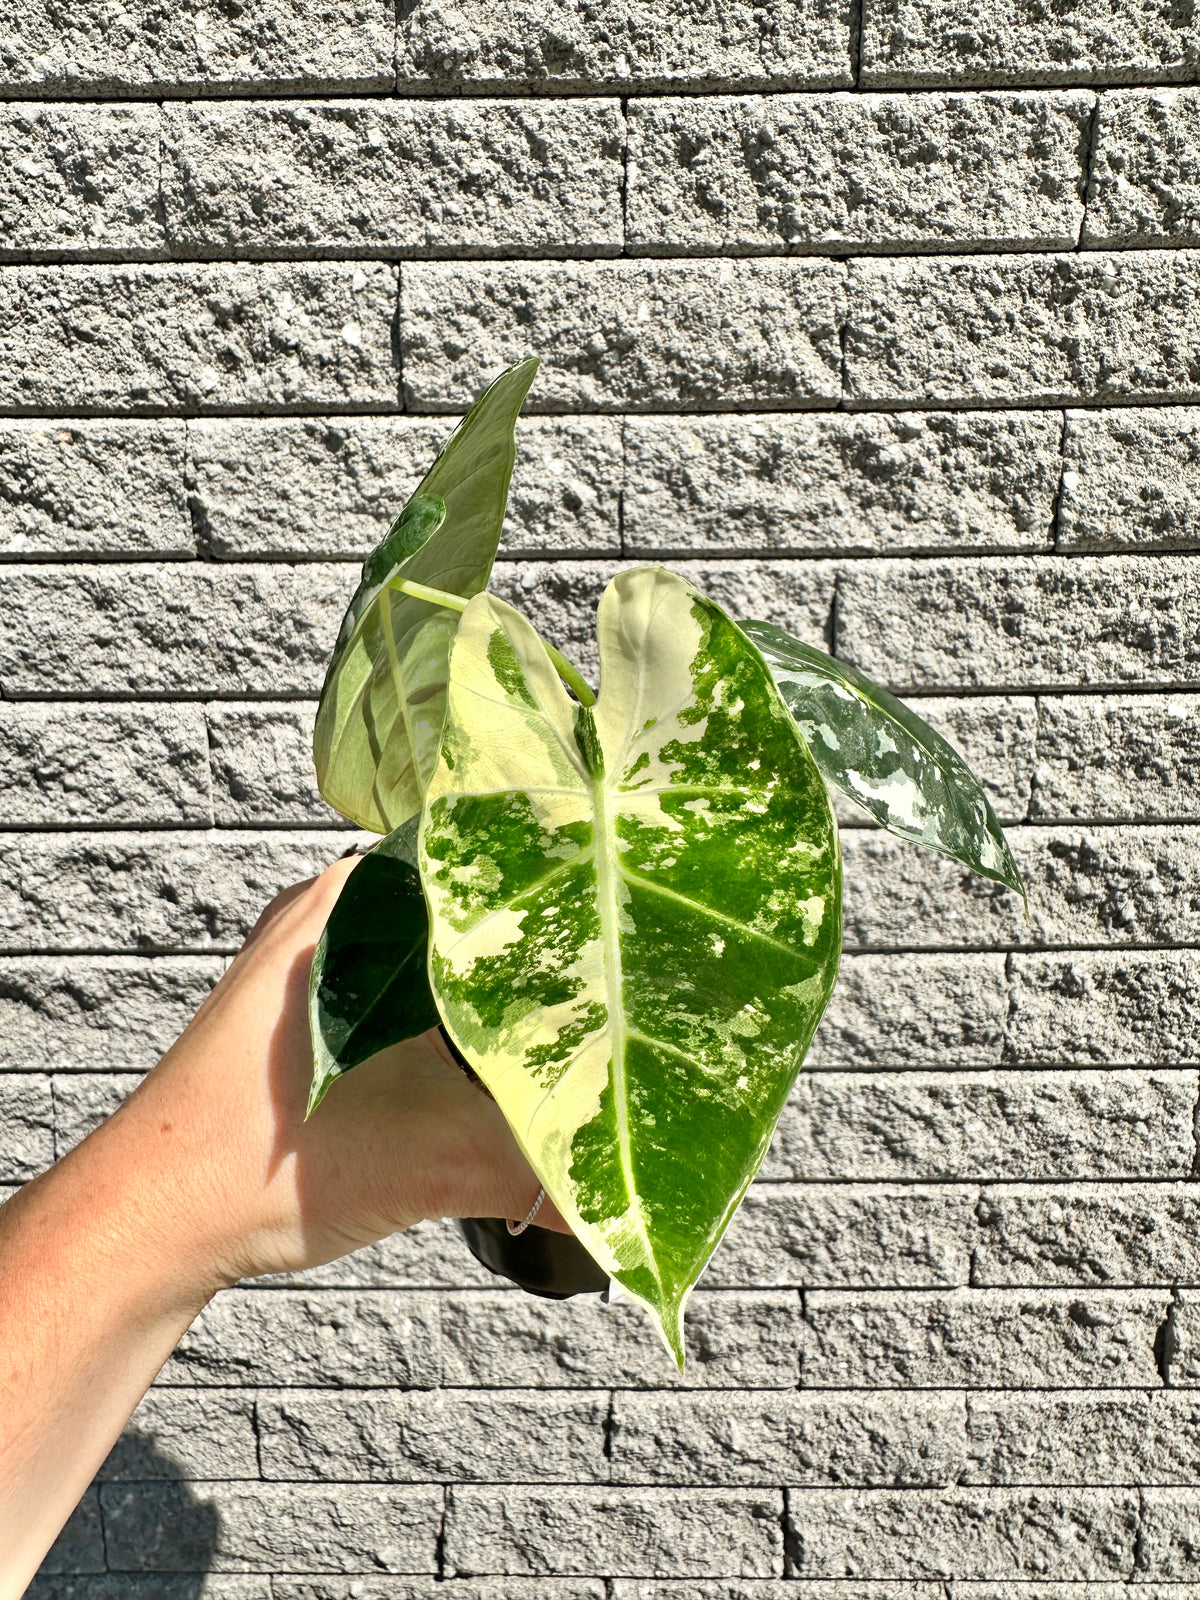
x,y
1116,758
127,1587
1145,175
1131,480
329,487
1022,1339
1127,1006
260,1527
1082,1437
626,335
892,1127
72,487
365,1338
172,1436
1008,622
151,892
262,771
882,173
131,340
1089,1233
376,178
27,1129
702,1532
833,1235
965,1533
79,181
919,42
852,485
522,1436
914,1010
86,1013
1023,330
549,46
907,1441
153,47
103,766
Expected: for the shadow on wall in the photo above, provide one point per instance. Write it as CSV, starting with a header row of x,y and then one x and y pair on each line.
x,y
151,1521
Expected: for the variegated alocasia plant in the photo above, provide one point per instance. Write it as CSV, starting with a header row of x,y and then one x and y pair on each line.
x,y
624,908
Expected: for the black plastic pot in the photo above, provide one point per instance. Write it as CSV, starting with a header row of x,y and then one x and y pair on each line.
x,y
540,1261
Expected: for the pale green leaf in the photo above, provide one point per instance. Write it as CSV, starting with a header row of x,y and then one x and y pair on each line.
x,y
635,916
369,983
383,702
874,749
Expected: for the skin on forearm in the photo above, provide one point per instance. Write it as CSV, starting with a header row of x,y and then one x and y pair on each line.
x,y
207,1175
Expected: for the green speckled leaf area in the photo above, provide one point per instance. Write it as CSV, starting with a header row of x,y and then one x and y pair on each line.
x,y
369,983
635,916
382,706
874,749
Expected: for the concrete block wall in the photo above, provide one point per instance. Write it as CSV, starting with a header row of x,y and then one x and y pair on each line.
x,y
879,319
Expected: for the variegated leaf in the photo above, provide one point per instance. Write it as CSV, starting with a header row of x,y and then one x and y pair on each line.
x,y
369,982
874,749
383,702
635,916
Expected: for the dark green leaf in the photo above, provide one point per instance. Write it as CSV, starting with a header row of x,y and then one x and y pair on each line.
x,y
879,753
369,987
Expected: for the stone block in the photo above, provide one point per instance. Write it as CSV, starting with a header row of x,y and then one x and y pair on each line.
x,y
364,1338
836,1235
531,46
626,335
189,630
789,1589
1168,1536
262,765
914,1010
803,1439
735,1340
150,892
997,737
174,1436
241,1527
126,1587
842,484
963,1533
83,1013
1014,622
26,1125
975,1126
981,1338
1112,758
79,181
438,1589
103,765
1178,1346
154,48
1085,1233
897,896
1130,1006
1131,479
185,337
387,178
330,486
522,1436
1023,330
913,43
827,174
1144,185
74,487
83,1100
1083,1437
677,1532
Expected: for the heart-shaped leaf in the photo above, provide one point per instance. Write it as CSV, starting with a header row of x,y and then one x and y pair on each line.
x,y
879,753
369,985
383,702
635,916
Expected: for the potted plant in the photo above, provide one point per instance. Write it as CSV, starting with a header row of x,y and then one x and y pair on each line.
x,y
624,909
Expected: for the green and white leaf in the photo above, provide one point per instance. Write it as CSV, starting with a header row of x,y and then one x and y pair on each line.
x,y
874,749
383,702
369,984
635,916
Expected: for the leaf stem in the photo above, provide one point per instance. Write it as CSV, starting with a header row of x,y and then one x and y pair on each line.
x,y
567,671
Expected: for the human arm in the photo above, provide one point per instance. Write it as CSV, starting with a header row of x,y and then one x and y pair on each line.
x,y
207,1175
